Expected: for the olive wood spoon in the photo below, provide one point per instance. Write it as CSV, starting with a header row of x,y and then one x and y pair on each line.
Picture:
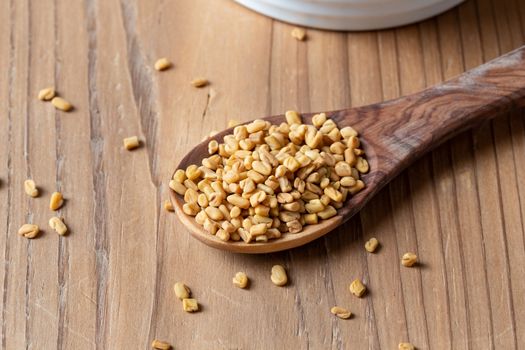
x,y
393,134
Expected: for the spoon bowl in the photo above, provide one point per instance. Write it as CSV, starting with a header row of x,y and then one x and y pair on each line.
x,y
393,134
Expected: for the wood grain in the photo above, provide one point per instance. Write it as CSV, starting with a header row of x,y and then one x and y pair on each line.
x,y
108,285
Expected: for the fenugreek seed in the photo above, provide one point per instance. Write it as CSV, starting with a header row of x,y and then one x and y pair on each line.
x,y
347,181
223,235
191,208
298,33
262,168
30,188
46,94
318,120
291,164
28,231
61,104
56,201
58,225
341,312
168,206
233,123
131,142
334,194
362,165
258,229
314,206
347,132
199,82
160,345
406,346
179,176
357,187
182,291
190,305
240,280
214,213
371,245
327,213
310,219
292,117
177,187
213,146
210,226
237,200
294,226
193,172
357,288
343,169
409,259
278,276
162,64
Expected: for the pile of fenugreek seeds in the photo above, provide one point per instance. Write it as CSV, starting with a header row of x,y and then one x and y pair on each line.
x,y
266,180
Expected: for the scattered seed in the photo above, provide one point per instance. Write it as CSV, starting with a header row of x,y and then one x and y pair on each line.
x,y
168,206
162,64
61,104
357,288
190,305
160,345
240,280
371,245
46,94
409,259
30,188
341,312
181,290
56,201
406,346
28,231
58,225
298,33
131,143
278,276
199,82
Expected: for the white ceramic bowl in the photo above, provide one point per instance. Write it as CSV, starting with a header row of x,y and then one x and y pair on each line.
x,y
350,14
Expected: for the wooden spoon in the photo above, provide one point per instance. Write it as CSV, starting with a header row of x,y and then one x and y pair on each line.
x,y
393,134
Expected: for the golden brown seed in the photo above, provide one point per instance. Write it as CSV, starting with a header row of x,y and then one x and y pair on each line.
x,y
343,169
327,213
28,230
46,94
318,120
347,132
340,312
193,172
294,226
406,346
278,276
61,104
168,206
131,143
232,123
191,208
30,188
240,280
162,64
258,229
213,146
182,291
357,288
298,33
409,259
56,201
190,305
179,176
371,245
362,165
214,213
160,345
199,82
177,187
58,225
292,117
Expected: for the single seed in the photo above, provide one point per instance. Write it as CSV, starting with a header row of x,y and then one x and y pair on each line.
x,y
341,312
177,187
409,259
371,245
160,345
199,82
162,64
190,305
240,280
30,188
46,94
58,225
406,346
357,288
61,104
278,276
181,290
292,117
28,230
168,206
131,142
56,201
298,33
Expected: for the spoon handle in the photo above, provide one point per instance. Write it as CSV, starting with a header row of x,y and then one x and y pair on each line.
x,y
402,130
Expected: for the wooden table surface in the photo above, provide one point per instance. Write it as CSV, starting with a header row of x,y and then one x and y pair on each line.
x,y
108,284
